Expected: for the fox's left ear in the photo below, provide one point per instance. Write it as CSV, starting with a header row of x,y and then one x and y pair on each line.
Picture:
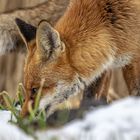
x,y
48,40
27,31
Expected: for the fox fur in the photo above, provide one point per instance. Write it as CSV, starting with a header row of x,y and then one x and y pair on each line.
x,y
91,37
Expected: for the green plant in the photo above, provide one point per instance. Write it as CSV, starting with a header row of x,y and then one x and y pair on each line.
x,y
35,120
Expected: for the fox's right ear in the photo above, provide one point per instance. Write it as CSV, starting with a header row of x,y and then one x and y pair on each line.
x,y
27,31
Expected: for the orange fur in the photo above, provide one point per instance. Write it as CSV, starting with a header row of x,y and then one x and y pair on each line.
x,y
97,35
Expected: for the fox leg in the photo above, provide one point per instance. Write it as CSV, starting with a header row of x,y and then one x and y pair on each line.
x,y
96,93
102,85
131,75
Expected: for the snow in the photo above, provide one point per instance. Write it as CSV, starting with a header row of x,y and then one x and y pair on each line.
x,y
118,121
9,131
5,116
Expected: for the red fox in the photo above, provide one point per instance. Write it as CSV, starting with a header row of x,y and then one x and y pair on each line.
x,y
90,38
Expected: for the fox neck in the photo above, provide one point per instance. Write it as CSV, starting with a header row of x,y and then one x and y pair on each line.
x,y
79,20
90,47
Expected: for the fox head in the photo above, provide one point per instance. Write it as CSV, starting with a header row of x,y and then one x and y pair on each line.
x,y
47,59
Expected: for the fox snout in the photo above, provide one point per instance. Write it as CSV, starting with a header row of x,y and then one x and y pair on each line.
x,y
25,108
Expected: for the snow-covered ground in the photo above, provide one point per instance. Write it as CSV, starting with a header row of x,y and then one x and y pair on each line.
x,y
9,131
119,121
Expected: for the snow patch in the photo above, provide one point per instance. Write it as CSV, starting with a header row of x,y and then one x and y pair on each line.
x,y
118,121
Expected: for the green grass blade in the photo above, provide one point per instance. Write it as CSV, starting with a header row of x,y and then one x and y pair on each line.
x,y
20,93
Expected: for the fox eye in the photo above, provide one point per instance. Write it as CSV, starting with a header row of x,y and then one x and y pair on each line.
x,y
34,91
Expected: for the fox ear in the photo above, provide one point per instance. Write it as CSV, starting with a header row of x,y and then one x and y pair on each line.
x,y
48,39
27,31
